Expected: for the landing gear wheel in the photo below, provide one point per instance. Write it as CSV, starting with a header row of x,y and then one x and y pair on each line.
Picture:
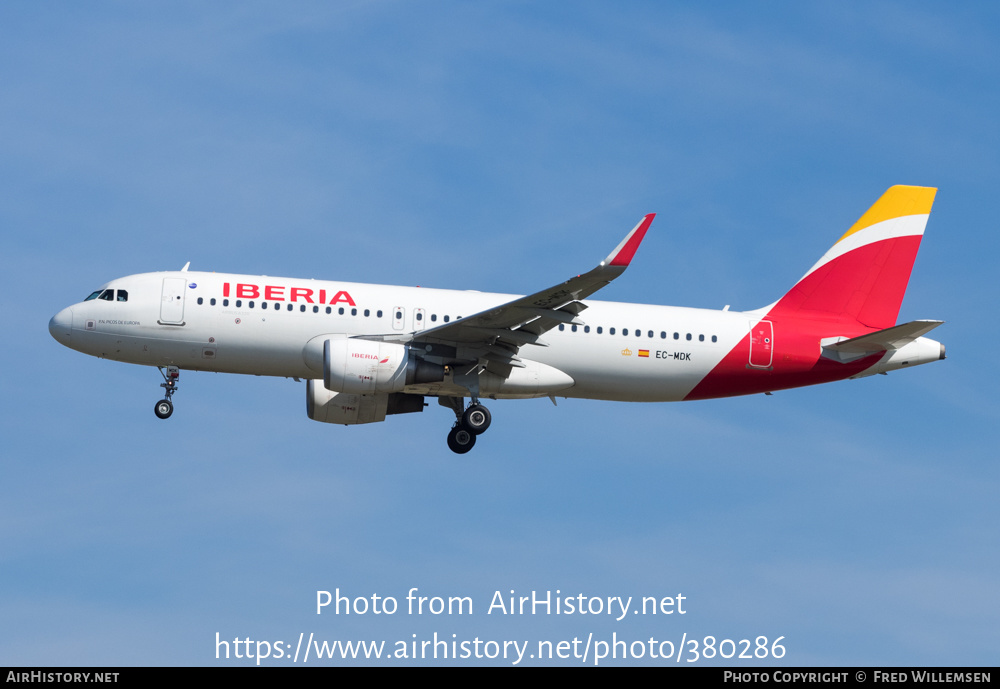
x,y
163,409
461,440
477,419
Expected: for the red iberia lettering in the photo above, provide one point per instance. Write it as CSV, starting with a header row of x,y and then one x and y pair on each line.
x,y
342,296
303,292
247,291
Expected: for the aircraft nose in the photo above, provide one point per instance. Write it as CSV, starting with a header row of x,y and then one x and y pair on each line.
x,y
61,325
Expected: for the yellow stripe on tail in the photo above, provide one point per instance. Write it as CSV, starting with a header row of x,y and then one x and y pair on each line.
x,y
897,202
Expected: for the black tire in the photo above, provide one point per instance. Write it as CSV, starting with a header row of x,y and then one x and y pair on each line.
x,y
163,409
477,419
461,440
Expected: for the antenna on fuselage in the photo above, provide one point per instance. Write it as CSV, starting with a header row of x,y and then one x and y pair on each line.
x,y
185,268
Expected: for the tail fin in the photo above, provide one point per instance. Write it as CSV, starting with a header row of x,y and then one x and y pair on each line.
x,y
863,277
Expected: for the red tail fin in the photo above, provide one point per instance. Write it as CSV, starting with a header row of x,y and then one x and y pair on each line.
x,y
863,277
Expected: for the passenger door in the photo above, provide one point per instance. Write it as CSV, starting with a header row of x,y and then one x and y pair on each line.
x,y
172,301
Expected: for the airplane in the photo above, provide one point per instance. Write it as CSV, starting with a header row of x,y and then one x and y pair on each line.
x,y
370,351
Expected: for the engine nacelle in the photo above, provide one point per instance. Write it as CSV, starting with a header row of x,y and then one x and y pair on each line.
x,y
350,409
364,367
333,407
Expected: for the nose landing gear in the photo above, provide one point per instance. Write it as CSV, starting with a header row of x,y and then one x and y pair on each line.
x,y
164,408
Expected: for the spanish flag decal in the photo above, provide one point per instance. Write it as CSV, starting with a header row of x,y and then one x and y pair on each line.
x,y
644,352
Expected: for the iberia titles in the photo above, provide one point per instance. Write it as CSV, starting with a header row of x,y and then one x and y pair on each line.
x,y
306,295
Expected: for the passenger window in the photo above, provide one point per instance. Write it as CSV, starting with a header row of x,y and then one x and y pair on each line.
x,y
368,313
446,319
624,331
302,308
663,335
212,301
378,314
650,333
714,338
562,326
340,311
586,328
701,338
200,301
434,318
689,337
354,312
574,328
600,329
611,331
677,336
329,310
290,307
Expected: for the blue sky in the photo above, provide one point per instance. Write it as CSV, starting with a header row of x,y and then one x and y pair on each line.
x,y
501,147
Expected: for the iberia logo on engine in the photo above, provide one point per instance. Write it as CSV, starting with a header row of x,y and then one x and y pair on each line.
x,y
362,355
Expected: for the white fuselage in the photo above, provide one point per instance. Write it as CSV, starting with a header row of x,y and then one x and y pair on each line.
x,y
263,326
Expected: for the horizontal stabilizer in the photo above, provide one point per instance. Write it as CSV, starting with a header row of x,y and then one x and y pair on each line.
x,y
892,338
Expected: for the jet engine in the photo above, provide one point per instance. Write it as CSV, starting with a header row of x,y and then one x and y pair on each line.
x,y
333,407
365,367
350,409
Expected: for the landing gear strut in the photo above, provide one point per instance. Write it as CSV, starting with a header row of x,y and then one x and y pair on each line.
x,y
469,423
164,408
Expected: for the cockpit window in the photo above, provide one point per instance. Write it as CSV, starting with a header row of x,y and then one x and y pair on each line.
x,y
108,295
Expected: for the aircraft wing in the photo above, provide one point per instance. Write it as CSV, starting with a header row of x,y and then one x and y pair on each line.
x,y
492,337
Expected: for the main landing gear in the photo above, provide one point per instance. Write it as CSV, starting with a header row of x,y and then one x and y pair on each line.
x,y
164,408
469,423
